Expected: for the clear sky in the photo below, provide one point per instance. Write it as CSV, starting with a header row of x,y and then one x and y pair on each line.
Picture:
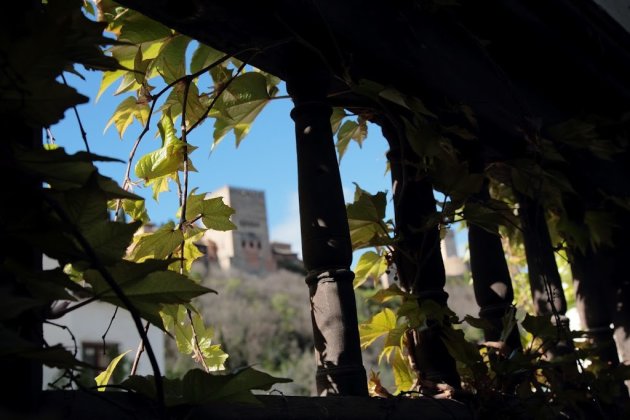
x,y
265,160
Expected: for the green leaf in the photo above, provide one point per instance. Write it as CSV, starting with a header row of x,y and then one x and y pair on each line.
x,y
171,61
404,377
12,346
412,103
159,244
138,29
109,240
480,323
163,287
112,190
351,130
58,168
164,161
203,57
239,104
159,185
461,349
103,378
377,326
44,285
540,326
366,206
370,265
176,320
40,101
365,219
338,114
195,110
216,215
198,387
126,112
384,295
109,77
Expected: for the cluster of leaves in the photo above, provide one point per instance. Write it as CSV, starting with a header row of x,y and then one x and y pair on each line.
x,y
527,381
507,383
68,219
150,53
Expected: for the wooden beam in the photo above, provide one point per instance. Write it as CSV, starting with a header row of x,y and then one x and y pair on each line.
x,y
71,405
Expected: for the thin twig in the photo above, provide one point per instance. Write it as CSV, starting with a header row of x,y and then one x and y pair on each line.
x,y
139,351
184,192
184,202
59,314
76,114
111,321
49,136
64,327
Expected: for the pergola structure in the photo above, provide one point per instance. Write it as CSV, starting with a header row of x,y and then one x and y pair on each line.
x,y
520,67
517,67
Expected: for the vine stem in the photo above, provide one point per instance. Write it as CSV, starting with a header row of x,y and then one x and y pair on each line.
x,y
139,351
184,201
184,192
217,96
76,114
120,294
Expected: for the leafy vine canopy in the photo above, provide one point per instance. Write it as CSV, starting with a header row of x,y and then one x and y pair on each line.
x,y
78,218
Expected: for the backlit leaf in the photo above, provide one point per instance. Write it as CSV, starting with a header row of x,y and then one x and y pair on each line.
x,y
370,265
404,377
377,326
203,57
102,378
239,104
159,244
126,112
351,130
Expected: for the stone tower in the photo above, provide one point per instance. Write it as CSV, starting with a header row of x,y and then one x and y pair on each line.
x,y
247,248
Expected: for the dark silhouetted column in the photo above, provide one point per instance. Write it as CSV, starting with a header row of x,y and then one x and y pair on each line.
x,y
326,246
491,279
544,279
419,259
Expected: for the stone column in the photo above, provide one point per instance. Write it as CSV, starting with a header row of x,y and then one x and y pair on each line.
x,y
326,247
418,257
544,279
491,278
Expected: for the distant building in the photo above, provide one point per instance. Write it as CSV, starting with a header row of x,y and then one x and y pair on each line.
x,y
285,257
247,248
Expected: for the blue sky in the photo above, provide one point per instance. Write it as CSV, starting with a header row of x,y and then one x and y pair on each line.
x,y
265,160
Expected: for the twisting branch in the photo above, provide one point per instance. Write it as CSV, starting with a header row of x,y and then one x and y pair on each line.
x,y
154,99
76,114
182,219
184,191
197,348
120,294
136,359
111,321
65,327
219,93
